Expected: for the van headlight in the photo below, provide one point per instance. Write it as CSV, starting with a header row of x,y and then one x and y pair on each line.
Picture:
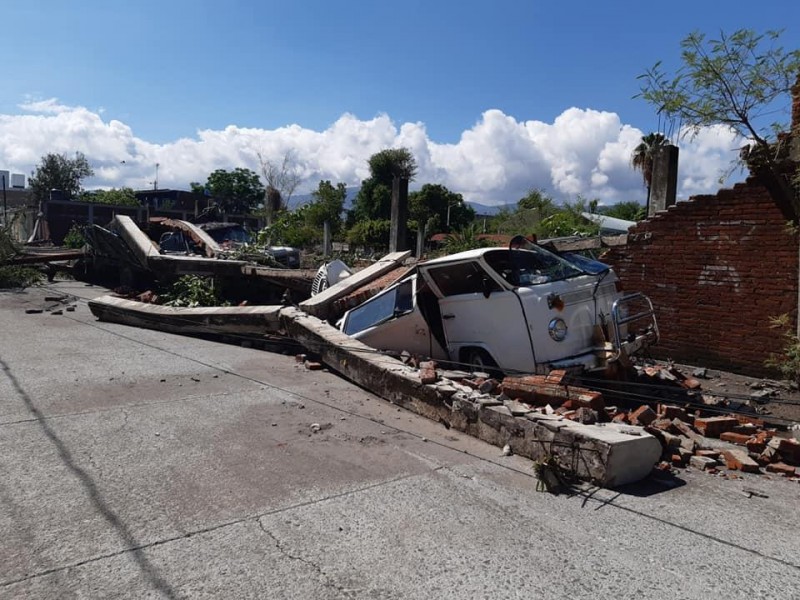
x,y
557,329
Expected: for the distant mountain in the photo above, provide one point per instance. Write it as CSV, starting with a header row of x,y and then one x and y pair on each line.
x,y
300,199
481,209
485,209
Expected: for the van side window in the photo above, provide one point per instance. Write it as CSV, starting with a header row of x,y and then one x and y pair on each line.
x,y
461,278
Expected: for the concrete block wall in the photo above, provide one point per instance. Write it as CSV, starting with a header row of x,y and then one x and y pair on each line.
x,y
716,268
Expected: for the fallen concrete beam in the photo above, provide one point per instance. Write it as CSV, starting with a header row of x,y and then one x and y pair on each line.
x,y
295,279
320,305
609,455
142,246
220,320
199,236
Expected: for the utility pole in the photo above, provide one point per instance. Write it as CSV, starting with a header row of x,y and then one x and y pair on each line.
x,y
155,182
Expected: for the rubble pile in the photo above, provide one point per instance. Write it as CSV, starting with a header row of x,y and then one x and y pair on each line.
x,y
717,444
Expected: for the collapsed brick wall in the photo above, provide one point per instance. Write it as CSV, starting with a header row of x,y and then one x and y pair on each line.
x,y
716,268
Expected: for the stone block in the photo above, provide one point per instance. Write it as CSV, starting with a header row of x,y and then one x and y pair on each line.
x,y
702,462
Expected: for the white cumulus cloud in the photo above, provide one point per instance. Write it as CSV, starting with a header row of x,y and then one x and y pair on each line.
x,y
582,152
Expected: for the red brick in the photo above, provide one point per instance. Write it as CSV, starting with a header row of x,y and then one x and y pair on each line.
x,y
739,460
782,468
715,426
734,438
644,415
789,449
715,454
755,445
673,412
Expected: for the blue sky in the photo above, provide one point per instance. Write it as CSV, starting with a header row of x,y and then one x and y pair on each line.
x,y
168,70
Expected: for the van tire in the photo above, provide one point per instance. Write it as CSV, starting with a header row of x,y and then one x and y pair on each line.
x,y
479,359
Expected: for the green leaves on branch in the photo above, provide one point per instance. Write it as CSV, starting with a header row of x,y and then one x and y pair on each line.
x,y
736,80
58,172
120,197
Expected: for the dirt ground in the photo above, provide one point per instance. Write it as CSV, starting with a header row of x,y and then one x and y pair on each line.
x,y
774,399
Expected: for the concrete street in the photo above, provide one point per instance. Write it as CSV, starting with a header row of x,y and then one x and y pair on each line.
x,y
138,464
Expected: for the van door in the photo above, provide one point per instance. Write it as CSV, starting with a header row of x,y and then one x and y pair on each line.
x,y
477,312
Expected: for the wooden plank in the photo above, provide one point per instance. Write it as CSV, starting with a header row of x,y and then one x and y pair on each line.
x,y
35,258
320,305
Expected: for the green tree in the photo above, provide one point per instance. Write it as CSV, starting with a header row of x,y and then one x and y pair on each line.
x,y
120,197
643,157
535,206
738,80
327,205
374,199
370,233
237,191
436,207
628,211
58,172
568,221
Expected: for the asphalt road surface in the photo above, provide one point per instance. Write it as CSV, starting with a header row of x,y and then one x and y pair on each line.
x,y
139,464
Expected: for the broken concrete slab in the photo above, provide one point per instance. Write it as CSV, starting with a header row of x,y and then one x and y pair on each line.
x,y
215,320
143,248
319,305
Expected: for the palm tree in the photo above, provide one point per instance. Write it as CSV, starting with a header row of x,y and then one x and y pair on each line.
x,y
643,157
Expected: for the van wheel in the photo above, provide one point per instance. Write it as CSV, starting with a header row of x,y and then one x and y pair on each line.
x,y
480,360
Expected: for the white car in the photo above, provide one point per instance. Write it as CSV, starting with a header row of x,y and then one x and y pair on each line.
x,y
519,310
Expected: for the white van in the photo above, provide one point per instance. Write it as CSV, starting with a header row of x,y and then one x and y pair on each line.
x,y
519,310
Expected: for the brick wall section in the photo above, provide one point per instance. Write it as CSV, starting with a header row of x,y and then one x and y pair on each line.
x,y
716,268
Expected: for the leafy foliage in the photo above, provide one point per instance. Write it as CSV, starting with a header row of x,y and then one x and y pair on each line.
x,y
433,204
13,276
237,191
735,80
58,172
528,217
120,197
304,227
291,228
465,239
629,211
371,233
788,362
75,237
568,221
191,291
643,157
374,199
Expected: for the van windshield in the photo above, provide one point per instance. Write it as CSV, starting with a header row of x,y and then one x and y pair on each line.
x,y
530,267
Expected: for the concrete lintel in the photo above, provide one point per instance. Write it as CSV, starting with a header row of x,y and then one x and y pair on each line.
x,y
214,320
142,246
320,304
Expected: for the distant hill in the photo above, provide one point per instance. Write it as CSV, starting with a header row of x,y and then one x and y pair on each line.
x,y
482,209
485,209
